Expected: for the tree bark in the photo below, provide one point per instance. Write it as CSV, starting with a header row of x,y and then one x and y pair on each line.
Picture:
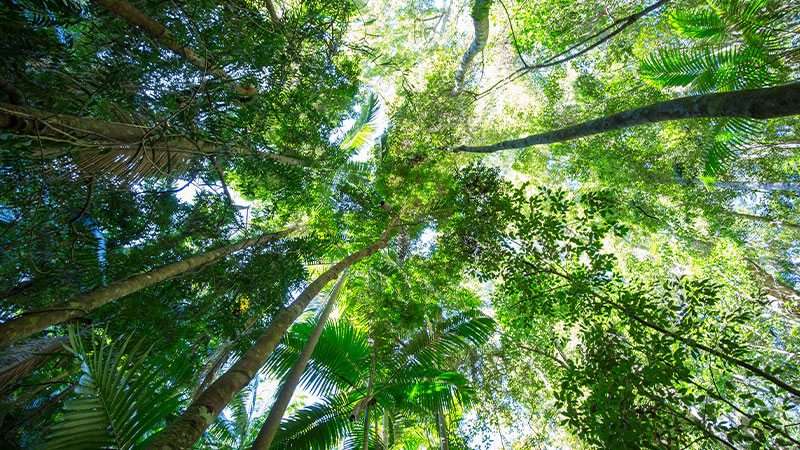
x,y
159,33
273,422
370,387
747,186
480,22
765,103
184,432
273,13
441,428
33,322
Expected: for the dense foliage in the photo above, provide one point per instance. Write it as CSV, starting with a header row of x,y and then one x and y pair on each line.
x,y
375,224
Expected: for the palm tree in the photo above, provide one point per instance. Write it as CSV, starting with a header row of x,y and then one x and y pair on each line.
x,y
235,429
412,381
120,399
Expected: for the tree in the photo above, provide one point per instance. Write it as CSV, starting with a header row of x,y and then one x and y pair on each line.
x,y
35,321
762,103
184,431
641,280
408,382
290,383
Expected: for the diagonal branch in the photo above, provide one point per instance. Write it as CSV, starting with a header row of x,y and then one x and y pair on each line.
x,y
158,32
765,103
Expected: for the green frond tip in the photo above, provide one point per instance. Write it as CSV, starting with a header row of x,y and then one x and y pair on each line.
x,y
119,400
697,23
364,127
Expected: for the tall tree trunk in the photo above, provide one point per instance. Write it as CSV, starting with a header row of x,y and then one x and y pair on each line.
x,y
218,359
273,422
33,322
773,286
184,432
719,354
766,220
370,387
441,428
480,23
766,103
159,33
273,13
746,186
386,429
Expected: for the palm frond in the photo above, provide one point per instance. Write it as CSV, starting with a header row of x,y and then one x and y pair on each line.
x,y
451,336
730,139
119,399
427,391
319,426
707,69
338,360
364,127
697,23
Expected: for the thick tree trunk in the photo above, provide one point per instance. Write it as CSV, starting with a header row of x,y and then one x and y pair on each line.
x,y
766,103
158,32
480,22
98,134
273,422
33,322
184,432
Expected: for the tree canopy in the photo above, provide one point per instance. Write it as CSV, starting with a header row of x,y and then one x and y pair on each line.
x,y
374,224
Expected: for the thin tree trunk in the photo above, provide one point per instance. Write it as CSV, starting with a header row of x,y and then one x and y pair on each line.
x,y
766,219
766,103
159,33
480,23
580,48
370,387
33,322
184,432
385,426
441,428
757,187
273,13
273,422
719,354
220,356
777,288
